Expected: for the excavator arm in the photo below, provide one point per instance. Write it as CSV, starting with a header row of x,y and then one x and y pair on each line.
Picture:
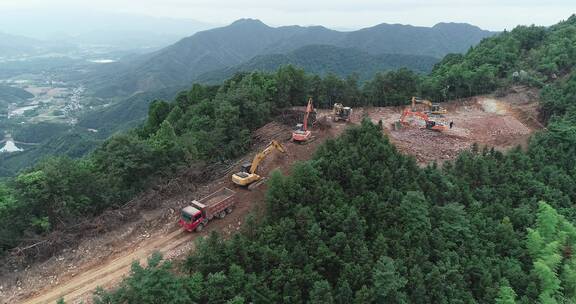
x,y
258,158
416,100
433,108
309,109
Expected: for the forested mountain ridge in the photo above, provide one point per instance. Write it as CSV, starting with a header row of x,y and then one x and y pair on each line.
x,y
360,223
224,47
326,59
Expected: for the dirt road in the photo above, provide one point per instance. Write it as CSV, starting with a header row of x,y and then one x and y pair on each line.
x,y
500,122
173,242
111,271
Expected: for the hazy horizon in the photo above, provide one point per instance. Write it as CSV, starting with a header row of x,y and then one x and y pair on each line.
x,y
179,17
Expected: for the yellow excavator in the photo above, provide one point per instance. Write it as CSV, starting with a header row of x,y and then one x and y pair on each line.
x,y
248,175
433,108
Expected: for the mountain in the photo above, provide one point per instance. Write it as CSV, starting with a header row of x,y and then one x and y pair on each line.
x,y
126,114
206,51
437,41
324,59
13,45
9,95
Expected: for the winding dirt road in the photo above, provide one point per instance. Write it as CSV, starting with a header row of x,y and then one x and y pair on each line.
x,y
112,271
175,242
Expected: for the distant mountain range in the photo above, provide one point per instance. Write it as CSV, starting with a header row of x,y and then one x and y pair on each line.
x,y
241,41
324,59
78,26
13,45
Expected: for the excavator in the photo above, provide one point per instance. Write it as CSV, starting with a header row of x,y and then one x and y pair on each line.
x,y
340,112
433,108
301,134
248,175
433,122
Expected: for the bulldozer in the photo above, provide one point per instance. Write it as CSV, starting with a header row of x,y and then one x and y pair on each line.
x,y
433,108
340,112
247,174
301,134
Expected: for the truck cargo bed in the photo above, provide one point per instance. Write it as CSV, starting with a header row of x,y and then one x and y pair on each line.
x,y
216,203
217,197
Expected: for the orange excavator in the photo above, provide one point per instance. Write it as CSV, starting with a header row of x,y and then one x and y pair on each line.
x,y
435,123
301,134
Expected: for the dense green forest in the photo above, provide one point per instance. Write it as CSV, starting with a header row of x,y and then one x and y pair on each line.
x,y
360,223
205,123
228,46
325,59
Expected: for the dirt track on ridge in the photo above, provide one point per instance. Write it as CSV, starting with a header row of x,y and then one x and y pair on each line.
x,y
488,120
171,241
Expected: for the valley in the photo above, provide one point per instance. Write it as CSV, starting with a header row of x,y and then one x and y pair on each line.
x,y
49,102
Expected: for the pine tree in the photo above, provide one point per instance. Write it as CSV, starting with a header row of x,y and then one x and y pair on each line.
x,y
321,293
388,283
506,294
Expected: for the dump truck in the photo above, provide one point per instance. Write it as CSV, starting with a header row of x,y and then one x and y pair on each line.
x,y
216,205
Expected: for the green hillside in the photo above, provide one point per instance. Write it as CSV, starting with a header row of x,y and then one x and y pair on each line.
x,y
220,48
360,222
9,95
124,114
325,59
46,139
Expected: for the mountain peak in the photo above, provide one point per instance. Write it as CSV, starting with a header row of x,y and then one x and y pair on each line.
x,y
446,25
248,22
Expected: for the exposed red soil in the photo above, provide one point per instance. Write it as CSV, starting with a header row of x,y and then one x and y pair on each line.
x,y
499,122
106,259
103,260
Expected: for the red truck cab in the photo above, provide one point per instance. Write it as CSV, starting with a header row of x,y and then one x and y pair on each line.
x,y
190,218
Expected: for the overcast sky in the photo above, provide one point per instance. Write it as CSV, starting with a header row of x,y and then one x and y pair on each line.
x,y
340,14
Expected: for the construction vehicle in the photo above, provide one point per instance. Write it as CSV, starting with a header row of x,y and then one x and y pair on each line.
x,y
340,112
248,175
216,205
301,134
433,108
432,122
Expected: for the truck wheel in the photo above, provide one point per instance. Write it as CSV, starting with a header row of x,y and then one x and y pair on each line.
x,y
228,210
199,228
222,214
